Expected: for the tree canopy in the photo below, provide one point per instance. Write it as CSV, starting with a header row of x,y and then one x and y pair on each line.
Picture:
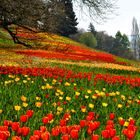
x,y
33,13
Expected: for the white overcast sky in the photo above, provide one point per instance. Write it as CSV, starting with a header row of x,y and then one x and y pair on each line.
x,y
122,22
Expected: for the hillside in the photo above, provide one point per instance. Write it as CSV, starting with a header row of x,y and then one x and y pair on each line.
x,y
49,46
59,89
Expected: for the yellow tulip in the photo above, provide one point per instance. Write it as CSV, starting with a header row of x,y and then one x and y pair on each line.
x,y
38,104
38,98
91,105
43,87
67,84
104,104
126,123
77,93
68,98
56,94
119,105
17,79
60,98
24,81
94,97
86,96
23,98
59,109
48,86
117,92
17,107
123,97
73,111
1,111
61,93
89,91
25,104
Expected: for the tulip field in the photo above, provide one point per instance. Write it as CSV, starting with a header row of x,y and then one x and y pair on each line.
x,y
80,94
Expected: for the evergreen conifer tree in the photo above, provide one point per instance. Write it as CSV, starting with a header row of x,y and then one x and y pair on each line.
x,y
69,22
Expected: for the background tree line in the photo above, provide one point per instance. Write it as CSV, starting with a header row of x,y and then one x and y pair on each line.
x,y
118,45
58,16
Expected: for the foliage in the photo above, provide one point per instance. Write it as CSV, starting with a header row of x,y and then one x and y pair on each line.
x,y
88,39
60,18
97,10
92,29
118,45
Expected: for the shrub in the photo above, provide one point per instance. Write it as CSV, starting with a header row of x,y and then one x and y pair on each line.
x,y
88,39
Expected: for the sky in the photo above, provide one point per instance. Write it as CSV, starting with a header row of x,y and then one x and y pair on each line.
x,y
122,21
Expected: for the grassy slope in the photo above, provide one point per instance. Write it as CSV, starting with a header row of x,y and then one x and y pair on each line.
x,y
52,44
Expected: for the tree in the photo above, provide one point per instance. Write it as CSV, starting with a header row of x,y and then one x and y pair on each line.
x,y
97,9
104,41
120,46
22,13
60,18
69,23
88,39
92,29
117,45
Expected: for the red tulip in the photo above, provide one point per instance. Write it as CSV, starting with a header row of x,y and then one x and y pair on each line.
x,y
130,134
25,131
105,134
91,114
16,138
64,130
38,133
132,122
74,134
109,127
66,137
15,126
95,137
43,128
89,131
82,123
47,96
110,122
77,127
94,125
55,131
30,113
121,122
112,132
35,137
4,135
66,116
7,123
89,118
69,128
19,132
116,138
24,118
62,122
3,128
50,116
45,135
45,120
112,116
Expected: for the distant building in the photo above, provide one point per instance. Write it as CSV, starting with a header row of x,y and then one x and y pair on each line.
x,y
135,40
